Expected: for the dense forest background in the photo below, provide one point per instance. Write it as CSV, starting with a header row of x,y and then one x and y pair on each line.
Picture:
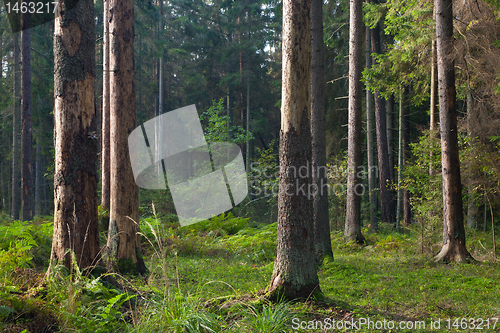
x,y
214,50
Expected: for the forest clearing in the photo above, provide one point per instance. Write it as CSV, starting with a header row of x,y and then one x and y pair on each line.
x,y
249,166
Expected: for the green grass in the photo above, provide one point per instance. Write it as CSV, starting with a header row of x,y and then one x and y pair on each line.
x,y
211,280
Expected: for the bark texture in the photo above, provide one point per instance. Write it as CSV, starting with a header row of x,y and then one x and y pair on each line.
x,y
294,275
322,242
123,247
75,137
26,181
352,229
105,111
454,232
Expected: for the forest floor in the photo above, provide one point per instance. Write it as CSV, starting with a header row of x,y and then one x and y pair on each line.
x,y
210,277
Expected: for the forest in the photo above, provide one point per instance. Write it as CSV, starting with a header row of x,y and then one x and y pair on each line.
x,y
249,166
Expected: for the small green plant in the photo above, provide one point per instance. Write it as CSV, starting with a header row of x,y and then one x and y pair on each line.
x,y
217,127
177,313
268,318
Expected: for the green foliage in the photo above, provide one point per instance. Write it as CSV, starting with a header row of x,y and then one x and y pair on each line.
x,y
177,313
268,318
23,244
257,245
217,127
407,58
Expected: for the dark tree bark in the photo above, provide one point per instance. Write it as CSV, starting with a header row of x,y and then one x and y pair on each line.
x,y
105,144
15,134
352,229
322,242
26,181
38,179
294,275
369,139
386,197
454,248
123,246
76,140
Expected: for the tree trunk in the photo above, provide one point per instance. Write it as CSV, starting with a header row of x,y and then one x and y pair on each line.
x,y
26,181
15,134
352,229
38,179
76,140
322,242
434,101
294,275
386,200
400,160
471,206
123,247
390,136
407,217
247,158
369,139
105,144
454,232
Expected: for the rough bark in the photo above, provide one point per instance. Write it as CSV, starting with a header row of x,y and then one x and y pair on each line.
x,y
369,138
75,136
15,133
105,150
454,248
26,179
123,246
322,242
386,197
294,275
352,229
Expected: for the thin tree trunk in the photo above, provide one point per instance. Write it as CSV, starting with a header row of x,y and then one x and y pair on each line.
x,y
105,144
390,134
45,184
123,246
294,275
38,180
471,206
454,248
26,181
322,242
434,99
352,229
15,133
369,139
386,200
400,161
76,139
406,152
247,159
